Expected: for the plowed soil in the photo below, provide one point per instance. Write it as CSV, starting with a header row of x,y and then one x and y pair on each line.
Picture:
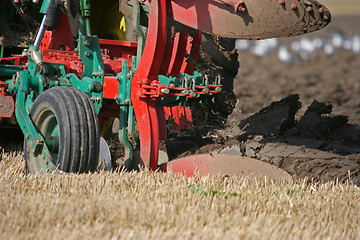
x,y
310,142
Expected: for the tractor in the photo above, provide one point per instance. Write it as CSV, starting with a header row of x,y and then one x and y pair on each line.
x,y
94,60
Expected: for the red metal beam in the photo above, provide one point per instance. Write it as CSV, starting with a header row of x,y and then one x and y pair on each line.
x,y
146,74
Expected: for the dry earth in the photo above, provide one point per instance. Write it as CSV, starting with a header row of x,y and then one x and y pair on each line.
x,y
315,142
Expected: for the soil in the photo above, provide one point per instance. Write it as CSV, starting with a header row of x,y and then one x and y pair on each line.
x,y
303,117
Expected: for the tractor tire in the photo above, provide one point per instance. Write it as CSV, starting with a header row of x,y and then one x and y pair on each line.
x,y
68,116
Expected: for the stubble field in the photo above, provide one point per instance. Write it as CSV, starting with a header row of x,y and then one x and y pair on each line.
x,y
153,205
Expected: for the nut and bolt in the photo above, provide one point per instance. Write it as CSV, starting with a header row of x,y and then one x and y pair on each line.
x,y
87,42
185,92
165,90
206,90
96,99
97,74
218,89
193,94
294,6
240,6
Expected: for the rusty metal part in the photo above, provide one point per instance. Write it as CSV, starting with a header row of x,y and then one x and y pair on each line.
x,y
261,19
6,106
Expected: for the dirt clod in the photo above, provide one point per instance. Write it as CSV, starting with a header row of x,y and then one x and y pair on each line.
x,y
274,119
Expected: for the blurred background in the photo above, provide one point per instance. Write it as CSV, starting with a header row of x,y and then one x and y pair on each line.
x,y
324,65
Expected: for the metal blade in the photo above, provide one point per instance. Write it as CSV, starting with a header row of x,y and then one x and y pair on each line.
x,y
104,155
224,164
259,19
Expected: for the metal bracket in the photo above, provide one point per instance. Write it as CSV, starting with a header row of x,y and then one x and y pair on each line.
x,y
124,100
36,143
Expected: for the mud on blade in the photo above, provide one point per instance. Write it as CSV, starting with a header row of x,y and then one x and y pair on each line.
x,y
252,19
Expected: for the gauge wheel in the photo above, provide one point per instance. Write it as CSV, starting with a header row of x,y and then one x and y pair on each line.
x,y
66,119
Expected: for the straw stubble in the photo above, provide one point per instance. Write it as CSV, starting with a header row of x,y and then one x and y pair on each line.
x,y
154,205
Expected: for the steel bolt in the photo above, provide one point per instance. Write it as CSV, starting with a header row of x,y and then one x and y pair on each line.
x,y
294,6
165,91
218,89
128,76
185,92
87,42
206,90
240,6
193,94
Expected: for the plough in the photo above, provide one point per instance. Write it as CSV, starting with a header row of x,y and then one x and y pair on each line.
x,y
80,72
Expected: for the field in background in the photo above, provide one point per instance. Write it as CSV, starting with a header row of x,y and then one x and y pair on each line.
x,y
152,205
342,7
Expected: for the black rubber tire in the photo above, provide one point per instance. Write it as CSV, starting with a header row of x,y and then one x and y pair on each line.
x,y
79,138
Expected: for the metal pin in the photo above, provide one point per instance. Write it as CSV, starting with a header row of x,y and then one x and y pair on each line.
x,y
206,90
165,91
240,6
193,94
218,89
185,92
